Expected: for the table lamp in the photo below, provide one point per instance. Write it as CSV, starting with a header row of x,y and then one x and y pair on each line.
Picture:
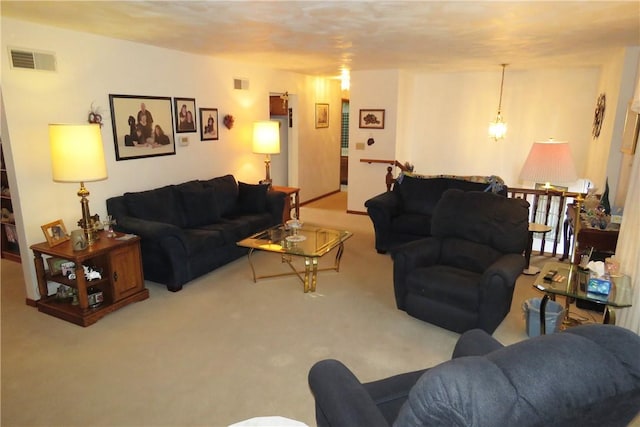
x,y
77,155
266,140
549,162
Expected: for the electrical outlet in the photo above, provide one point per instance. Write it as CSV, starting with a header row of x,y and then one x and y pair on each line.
x,y
184,141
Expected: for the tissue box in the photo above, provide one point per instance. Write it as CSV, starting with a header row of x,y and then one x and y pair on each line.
x,y
599,286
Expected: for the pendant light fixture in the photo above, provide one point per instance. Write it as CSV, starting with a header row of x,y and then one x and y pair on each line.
x,y
498,128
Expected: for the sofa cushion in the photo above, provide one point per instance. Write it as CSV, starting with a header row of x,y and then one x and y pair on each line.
x,y
226,190
200,206
252,198
419,195
161,205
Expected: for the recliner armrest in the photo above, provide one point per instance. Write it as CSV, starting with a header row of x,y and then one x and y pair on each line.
x,y
475,342
508,267
341,399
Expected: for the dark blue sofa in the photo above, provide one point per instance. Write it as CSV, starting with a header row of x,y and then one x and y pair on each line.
x,y
190,229
404,213
585,376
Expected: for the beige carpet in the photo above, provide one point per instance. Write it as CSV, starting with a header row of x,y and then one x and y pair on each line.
x,y
223,349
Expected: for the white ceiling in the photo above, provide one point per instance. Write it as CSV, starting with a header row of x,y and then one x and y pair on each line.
x,y
321,37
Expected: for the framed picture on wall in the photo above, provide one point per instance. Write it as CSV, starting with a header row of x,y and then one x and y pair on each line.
x,y
185,109
322,116
141,126
208,124
631,132
371,119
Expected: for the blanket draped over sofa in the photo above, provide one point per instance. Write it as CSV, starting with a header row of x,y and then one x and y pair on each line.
x,y
190,229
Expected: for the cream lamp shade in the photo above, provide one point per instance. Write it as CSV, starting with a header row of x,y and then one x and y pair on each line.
x,y
77,154
266,137
549,162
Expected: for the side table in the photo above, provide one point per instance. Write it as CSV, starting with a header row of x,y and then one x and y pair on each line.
x,y
122,281
533,228
291,201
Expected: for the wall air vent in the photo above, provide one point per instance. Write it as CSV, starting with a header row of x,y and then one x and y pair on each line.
x,y
31,60
241,84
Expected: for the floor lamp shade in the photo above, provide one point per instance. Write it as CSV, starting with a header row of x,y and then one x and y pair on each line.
x,y
549,162
77,154
266,137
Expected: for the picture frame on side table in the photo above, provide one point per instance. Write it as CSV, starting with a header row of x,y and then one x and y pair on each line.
x,y
55,232
55,265
322,116
371,119
142,126
208,124
631,132
185,109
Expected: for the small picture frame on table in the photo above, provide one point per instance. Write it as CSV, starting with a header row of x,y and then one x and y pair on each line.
x,y
208,124
55,232
55,265
371,119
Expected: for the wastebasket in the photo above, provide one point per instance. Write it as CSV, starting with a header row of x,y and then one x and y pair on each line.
x,y
553,314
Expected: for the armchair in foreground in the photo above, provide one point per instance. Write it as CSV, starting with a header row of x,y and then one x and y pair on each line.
x,y
463,276
585,376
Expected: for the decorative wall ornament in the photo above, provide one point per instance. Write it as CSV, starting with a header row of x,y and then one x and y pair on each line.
x,y
598,116
94,115
228,121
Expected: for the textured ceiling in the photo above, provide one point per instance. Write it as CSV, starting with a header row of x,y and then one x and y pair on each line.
x,y
321,37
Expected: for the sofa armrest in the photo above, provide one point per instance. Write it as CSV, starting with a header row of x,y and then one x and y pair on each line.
x,y
409,256
341,399
275,205
475,342
151,230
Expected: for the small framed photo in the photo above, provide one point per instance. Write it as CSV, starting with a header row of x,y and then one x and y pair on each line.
x,y
185,109
55,232
141,126
208,124
322,116
55,265
371,119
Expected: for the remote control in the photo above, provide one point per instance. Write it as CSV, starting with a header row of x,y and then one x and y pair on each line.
x,y
550,275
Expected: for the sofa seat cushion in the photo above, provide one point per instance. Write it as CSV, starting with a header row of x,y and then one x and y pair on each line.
x,y
446,284
161,205
200,206
416,224
237,228
199,240
226,190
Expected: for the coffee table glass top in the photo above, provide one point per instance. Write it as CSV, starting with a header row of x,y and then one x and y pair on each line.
x,y
308,241
574,285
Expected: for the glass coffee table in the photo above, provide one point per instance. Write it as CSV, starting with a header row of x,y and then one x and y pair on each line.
x,y
309,242
572,285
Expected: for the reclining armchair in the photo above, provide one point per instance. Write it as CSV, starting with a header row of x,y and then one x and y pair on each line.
x,y
585,376
463,276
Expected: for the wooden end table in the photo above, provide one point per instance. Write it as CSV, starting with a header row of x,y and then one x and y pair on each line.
x,y
122,281
291,201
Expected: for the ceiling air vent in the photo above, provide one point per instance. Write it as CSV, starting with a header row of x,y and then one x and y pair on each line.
x,y
31,60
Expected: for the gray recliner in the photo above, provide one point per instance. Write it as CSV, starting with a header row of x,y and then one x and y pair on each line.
x,y
585,376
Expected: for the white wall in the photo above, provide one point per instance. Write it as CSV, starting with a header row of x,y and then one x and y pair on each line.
x,y
89,69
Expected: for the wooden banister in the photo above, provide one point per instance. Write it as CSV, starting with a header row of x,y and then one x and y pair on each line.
x,y
388,179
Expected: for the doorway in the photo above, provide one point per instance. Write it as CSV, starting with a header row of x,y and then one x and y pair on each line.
x,y
279,111
344,146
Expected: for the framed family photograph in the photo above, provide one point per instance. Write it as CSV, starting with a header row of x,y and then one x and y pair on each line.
x,y
55,232
371,119
185,109
322,116
208,124
142,126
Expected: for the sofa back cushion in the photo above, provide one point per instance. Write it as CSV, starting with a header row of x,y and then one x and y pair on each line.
x,y
200,206
160,204
420,196
252,198
485,218
226,190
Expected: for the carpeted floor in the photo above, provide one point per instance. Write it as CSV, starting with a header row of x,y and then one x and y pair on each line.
x,y
223,349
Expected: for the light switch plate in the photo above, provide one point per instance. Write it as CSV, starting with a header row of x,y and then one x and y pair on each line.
x,y
359,145
184,141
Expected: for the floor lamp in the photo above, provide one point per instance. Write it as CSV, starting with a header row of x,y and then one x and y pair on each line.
x,y
266,140
77,155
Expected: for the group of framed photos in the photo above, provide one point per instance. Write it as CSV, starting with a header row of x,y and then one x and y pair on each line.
x,y
369,119
143,126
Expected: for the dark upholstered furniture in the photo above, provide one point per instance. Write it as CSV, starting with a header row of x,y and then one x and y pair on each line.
x,y
192,228
585,376
404,214
463,276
